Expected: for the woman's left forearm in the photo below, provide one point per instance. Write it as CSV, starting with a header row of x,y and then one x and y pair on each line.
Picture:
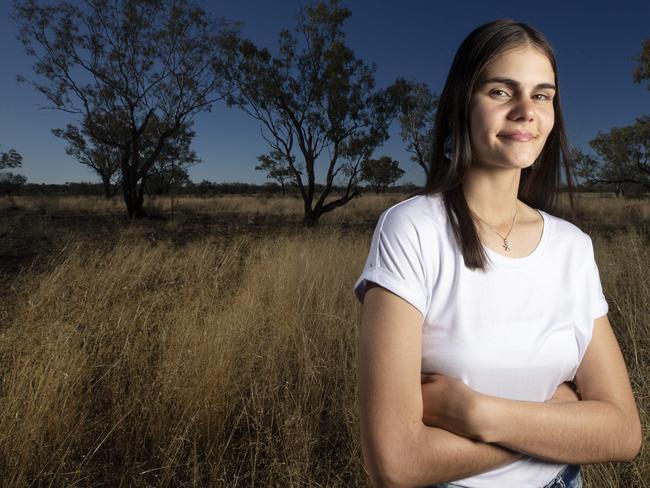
x,y
567,432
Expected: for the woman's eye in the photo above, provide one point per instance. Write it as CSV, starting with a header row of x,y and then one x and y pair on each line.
x,y
544,96
493,92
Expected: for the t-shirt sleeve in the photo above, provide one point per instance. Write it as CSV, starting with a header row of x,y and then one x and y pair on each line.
x,y
599,306
395,261
596,303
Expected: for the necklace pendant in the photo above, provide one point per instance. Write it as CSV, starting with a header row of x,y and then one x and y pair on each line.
x,y
506,246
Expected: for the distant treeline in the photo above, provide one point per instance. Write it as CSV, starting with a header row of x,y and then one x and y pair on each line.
x,y
209,188
204,188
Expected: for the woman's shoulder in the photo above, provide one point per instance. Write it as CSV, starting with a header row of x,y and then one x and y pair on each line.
x,y
563,225
566,232
421,212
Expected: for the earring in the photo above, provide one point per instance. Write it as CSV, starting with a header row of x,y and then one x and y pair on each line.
x,y
448,147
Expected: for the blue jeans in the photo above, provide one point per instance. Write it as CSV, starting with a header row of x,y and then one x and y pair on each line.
x,y
569,477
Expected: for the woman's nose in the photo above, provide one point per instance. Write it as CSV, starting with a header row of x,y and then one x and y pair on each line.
x,y
523,109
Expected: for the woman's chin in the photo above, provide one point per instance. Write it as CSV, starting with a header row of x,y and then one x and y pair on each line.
x,y
505,160
508,165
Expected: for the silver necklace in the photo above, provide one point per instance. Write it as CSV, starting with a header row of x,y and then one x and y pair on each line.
x,y
506,245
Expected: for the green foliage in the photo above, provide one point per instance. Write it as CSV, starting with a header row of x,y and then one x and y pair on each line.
x,y
642,69
103,159
624,158
381,173
10,182
167,176
170,170
10,159
277,168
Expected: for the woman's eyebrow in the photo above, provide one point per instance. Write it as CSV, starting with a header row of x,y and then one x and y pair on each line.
x,y
514,83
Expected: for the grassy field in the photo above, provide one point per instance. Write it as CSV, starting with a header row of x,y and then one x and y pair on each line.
x,y
218,349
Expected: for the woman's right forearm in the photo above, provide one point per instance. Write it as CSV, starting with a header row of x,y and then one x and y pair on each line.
x,y
439,456
434,455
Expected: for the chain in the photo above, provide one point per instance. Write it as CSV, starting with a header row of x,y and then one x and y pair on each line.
x,y
506,246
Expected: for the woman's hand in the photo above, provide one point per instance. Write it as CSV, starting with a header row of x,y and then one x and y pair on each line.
x,y
565,392
450,404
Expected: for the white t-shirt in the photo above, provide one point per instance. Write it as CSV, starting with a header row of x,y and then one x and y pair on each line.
x,y
516,331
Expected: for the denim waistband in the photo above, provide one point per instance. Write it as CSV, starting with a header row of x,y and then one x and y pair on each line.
x,y
569,477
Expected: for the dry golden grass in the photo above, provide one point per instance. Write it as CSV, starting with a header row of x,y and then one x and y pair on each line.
x,y
284,206
160,365
591,207
223,359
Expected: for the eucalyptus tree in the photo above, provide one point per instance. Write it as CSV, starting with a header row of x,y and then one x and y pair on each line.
x,y
10,182
139,62
623,157
381,173
316,102
416,119
276,168
174,156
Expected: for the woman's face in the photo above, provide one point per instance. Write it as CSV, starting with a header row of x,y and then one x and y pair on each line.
x,y
511,109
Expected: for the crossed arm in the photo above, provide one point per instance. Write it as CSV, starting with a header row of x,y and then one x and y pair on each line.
x,y
417,434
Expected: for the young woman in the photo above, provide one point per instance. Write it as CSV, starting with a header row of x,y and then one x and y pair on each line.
x,y
480,309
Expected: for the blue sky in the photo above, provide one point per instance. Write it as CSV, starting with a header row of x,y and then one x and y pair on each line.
x,y
595,44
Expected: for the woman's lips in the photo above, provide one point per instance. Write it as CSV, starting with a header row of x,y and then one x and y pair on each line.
x,y
517,136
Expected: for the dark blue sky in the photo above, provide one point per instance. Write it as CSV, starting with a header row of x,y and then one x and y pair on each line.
x,y
595,44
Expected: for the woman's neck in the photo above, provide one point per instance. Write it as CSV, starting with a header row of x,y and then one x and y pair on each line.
x,y
492,193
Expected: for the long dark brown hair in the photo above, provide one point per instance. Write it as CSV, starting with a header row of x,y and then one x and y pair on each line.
x,y
540,184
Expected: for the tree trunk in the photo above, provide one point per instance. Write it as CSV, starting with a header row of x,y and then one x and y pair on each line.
x,y
107,187
311,218
133,196
134,204
140,211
